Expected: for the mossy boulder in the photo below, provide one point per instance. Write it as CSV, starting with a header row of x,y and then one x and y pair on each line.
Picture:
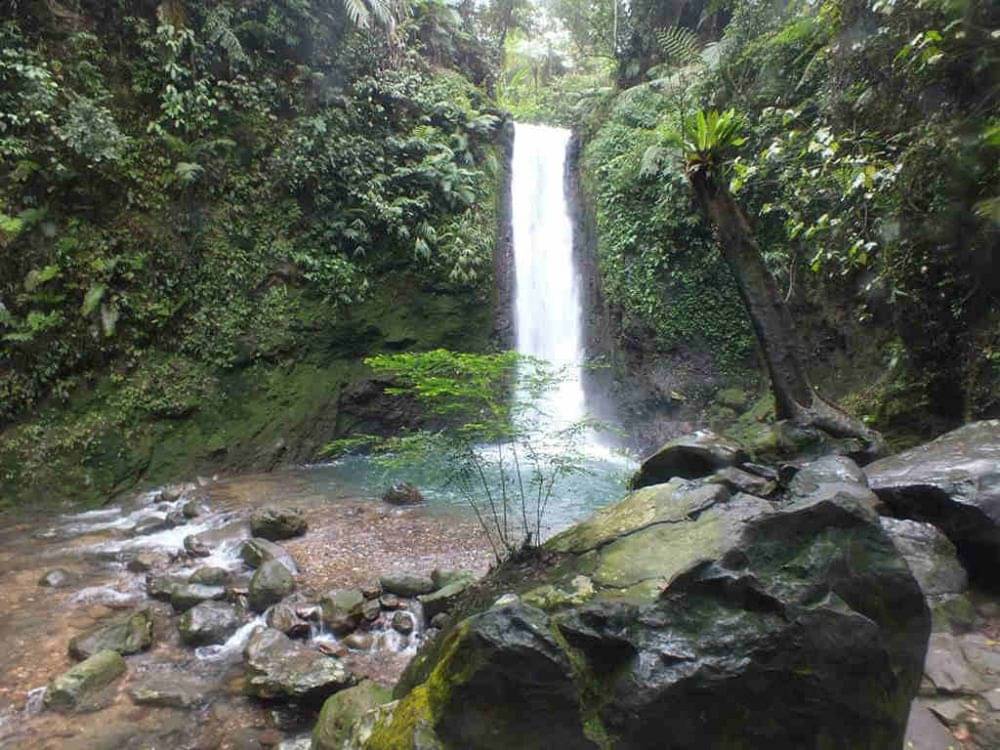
x,y
280,669
342,610
208,623
341,711
275,524
80,685
684,616
126,634
255,552
271,583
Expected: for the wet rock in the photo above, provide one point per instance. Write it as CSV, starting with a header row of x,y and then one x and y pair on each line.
x,y
343,610
703,613
827,470
126,634
176,518
193,509
275,524
210,576
283,617
371,590
256,552
162,586
440,621
186,595
78,686
143,562
341,711
403,493
332,649
57,578
370,610
403,622
445,597
359,641
929,554
170,494
279,668
952,482
738,480
696,455
310,612
195,547
169,690
407,585
389,601
151,525
271,583
208,623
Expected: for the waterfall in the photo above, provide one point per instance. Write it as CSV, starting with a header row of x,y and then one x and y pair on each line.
x,y
547,309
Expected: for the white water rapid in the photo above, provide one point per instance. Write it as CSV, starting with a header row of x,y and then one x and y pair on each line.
x,y
547,290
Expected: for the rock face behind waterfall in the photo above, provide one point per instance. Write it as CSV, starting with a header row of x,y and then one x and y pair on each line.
x,y
686,617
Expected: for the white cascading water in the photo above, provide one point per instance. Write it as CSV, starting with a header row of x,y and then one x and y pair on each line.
x,y
547,291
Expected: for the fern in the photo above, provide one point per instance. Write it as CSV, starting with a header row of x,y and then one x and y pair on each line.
x,y
219,31
680,46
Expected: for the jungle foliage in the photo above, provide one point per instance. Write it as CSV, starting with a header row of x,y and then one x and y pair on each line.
x,y
194,187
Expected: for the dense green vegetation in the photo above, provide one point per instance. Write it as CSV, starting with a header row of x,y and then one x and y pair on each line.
x,y
869,168
214,209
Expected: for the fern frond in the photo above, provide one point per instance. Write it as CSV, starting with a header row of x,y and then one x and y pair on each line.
x,y
680,45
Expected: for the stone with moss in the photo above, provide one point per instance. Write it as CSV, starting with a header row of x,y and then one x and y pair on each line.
x,y
126,634
81,684
341,711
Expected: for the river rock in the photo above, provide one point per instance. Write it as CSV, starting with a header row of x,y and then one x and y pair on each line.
x,y
162,586
370,610
407,585
282,616
403,493
210,576
952,482
126,634
170,494
208,623
169,690
271,583
389,601
341,711
359,641
57,578
275,524
445,597
681,617
195,547
696,455
255,552
78,686
343,610
403,622
930,555
186,595
442,578
193,509
151,525
143,562
279,668
738,480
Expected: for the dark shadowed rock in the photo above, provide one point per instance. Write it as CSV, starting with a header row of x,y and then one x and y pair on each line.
x,y
738,480
195,547
275,524
186,595
208,623
680,618
271,583
126,634
445,597
954,483
151,525
79,686
929,554
403,493
696,455
278,668
283,617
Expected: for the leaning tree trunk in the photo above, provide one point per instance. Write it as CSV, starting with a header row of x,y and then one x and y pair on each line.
x,y
795,398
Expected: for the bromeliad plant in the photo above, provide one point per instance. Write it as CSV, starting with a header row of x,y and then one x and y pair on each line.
x,y
709,137
487,430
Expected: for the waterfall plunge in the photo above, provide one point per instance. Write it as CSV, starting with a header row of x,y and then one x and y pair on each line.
x,y
547,299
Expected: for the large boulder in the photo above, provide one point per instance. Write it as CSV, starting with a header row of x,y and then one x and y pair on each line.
x,y
126,634
691,456
271,583
406,584
169,690
278,668
208,623
954,483
445,597
685,617
78,687
275,524
341,711
186,595
256,552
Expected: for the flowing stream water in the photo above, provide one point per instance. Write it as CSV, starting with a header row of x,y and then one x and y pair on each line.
x,y
353,537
